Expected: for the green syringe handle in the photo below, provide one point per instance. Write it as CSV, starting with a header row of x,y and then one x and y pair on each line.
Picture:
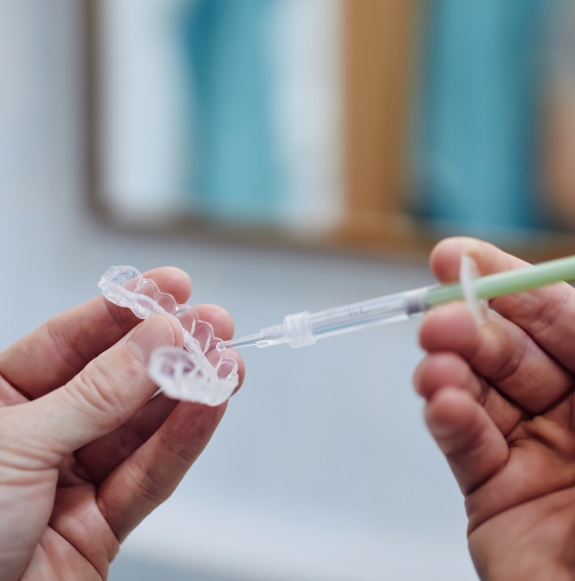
x,y
508,282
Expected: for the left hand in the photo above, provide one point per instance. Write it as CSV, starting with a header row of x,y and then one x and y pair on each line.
x,y
85,453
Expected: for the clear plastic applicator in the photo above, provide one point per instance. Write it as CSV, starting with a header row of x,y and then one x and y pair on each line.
x,y
306,328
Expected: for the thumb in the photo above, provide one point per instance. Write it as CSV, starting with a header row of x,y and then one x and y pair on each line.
x,y
104,395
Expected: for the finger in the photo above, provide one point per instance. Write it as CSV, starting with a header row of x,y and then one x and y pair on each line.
x,y
102,397
475,449
59,349
501,352
98,459
440,369
546,313
445,258
219,318
151,474
10,396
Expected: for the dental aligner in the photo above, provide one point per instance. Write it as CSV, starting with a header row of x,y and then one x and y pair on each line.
x,y
199,372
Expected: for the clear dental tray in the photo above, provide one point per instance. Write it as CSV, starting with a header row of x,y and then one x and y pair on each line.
x,y
199,372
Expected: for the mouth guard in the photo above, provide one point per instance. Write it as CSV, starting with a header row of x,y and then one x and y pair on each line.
x,y
199,372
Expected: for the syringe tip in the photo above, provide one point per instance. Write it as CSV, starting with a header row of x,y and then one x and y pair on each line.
x,y
248,341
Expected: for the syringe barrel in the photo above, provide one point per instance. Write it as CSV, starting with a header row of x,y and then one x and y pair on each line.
x,y
386,309
306,328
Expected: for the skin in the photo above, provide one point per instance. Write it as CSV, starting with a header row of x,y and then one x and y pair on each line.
x,y
500,405
85,453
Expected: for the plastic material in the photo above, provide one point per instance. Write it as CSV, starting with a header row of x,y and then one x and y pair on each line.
x,y
468,274
306,328
200,373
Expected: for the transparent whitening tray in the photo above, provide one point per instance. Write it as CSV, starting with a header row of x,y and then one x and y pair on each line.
x,y
199,372
203,372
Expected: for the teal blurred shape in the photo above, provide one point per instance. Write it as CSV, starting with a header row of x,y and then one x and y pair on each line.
x,y
235,173
476,152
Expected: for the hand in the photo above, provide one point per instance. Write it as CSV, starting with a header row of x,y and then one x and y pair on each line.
x,y
500,404
85,454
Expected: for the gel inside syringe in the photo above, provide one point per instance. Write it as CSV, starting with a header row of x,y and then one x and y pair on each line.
x,y
306,328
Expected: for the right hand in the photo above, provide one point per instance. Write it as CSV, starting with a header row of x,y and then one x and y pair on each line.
x,y
501,406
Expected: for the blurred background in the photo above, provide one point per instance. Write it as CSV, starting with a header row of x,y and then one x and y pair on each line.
x,y
289,155
377,125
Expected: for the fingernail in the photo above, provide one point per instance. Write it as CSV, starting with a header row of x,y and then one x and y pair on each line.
x,y
157,331
440,430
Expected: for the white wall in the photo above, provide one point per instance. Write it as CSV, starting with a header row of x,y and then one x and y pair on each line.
x,y
322,468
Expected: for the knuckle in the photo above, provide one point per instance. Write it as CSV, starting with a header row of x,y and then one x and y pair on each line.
x,y
511,359
97,388
65,348
179,452
548,312
152,489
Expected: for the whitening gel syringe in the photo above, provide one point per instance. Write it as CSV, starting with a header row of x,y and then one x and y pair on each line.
x,y
306,328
